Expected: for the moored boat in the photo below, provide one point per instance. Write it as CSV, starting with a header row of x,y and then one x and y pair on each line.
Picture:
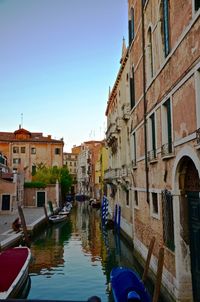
x,y
57,218
126,285
14,266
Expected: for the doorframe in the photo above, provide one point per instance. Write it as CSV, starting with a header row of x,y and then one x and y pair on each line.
x,y
36,202
183,286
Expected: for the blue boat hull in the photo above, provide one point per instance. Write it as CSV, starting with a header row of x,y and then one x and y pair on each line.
x,y
125,282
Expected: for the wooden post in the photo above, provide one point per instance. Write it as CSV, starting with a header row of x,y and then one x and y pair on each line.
x,y
159,275
46,215
23,223
150,250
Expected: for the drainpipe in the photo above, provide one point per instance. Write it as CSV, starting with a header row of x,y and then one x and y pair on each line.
x,y
145,105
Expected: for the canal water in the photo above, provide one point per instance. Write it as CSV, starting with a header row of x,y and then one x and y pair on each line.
x,y
73,260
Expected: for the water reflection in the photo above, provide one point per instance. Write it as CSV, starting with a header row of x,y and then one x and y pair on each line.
x,y
73,260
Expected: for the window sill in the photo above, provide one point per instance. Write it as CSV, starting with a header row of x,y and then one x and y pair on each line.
x,y
153,161
165,157
197,147
155,216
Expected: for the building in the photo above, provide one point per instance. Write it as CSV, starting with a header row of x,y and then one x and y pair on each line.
x,y
87,159
25,150
70,160
164,166
11,187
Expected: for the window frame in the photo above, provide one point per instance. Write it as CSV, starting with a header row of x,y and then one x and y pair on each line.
x,y
33,150
155,214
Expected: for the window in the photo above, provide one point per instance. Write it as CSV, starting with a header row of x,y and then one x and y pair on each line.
x,y
127,197
132,88
131,27
70,163
133,151
152,138
166,148
196,4
15,149
23,149
154,203
33,150
33,170
168,219
136,203
16,160
166,26
149,51
57,151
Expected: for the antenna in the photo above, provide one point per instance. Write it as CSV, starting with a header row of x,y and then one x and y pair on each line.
x,y
22,120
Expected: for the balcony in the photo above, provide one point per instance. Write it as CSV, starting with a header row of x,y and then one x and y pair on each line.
x,y
167,150
151,155
111,132
124,171
126,108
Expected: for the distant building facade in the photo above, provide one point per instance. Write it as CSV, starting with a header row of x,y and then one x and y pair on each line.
x,y
87,159
25,150
70,160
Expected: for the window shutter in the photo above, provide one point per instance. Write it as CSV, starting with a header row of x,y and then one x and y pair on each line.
x,y
129,32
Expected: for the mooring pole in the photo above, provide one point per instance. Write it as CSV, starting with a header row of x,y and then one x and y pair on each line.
x,y
159,275
23,223
46,215
147,263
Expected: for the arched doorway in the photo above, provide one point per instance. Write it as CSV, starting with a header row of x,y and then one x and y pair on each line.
x,y
189,185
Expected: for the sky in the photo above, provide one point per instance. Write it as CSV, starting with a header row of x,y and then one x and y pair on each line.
x,y
58,59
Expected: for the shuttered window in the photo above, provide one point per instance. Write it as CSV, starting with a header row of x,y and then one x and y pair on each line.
x,y
197,4
166,26
131,27
168,219
132,89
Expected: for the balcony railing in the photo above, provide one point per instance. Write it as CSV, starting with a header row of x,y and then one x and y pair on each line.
x,y
124,171
151,155
167,149
198,136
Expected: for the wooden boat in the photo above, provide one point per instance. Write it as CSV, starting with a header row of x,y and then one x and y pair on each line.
x,y
66,209
126,285
14,266
57,218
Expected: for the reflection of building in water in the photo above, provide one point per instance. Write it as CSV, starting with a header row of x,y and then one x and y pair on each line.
x,y
86,225
50,253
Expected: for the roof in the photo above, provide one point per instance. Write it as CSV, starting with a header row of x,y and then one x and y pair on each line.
x,y
25,135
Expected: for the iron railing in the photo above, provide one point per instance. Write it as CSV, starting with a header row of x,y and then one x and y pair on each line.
x,y
151,155
198,136
167,149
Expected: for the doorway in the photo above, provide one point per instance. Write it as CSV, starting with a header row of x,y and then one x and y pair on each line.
x,y
189,184
40,199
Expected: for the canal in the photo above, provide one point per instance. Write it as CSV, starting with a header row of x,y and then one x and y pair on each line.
x,y
73,260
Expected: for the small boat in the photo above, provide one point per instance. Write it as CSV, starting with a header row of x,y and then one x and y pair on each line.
x,y
57,218
127,286
66,209
14,264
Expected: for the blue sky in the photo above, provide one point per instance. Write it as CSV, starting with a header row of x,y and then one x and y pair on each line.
x,y
57,61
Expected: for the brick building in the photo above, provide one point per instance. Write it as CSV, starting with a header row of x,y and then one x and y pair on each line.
x,y
163,181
